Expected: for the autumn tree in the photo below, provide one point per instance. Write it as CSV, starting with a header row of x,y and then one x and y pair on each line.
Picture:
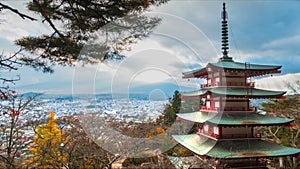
x,y
82,151
13,111
285,135
48,146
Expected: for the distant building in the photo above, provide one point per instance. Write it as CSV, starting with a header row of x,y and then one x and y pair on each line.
x,y
226,135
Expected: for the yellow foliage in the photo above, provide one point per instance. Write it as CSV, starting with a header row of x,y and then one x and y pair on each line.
x,y
184,152
48,146
156,131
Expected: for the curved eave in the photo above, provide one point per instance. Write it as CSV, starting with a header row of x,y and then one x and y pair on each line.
x,y
250,119
253,73
195,117
235,91
196,143
249,148
234,119
197,73
252,69
233,149
243,66
250,92
201,92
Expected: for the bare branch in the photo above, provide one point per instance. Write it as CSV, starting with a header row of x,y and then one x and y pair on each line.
x,y
23,16
9,63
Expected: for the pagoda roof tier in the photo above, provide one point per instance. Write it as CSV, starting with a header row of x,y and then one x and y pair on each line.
x,y
233,149
235,91
249,69
234,119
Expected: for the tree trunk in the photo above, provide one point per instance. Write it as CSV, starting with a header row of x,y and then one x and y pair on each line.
x,y
294,163
281,162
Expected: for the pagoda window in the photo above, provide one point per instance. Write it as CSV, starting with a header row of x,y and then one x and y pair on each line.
x,y
208,104
217,104
216,130
206,128
209,81
208,96
217,81
209,69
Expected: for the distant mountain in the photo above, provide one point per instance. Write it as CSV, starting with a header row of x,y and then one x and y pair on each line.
x,y
286,82
166,89
32,94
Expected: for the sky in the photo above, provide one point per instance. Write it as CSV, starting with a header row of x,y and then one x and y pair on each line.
x,y
189,37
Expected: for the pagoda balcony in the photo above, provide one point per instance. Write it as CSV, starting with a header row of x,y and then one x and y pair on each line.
x,y
238,136
204,108
243,109
208,134
240,84
229,109
229,84
212,135
239,163
207,85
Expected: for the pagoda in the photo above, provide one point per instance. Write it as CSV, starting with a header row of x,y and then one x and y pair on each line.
x,y
226,135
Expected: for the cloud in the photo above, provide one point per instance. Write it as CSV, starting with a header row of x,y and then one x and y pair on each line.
x,y
189,37
13,27
288,45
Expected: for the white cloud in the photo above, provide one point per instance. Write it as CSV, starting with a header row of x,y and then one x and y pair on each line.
x,y
279,83
15,27
282,41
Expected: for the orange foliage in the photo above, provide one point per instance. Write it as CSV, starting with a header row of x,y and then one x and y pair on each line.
x,y
154,132
160,130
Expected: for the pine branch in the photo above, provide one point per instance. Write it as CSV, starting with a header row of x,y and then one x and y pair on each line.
x,y
48,19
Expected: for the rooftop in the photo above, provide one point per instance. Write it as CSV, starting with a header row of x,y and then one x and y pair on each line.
x,y
238,119
234,91
252,69
233,149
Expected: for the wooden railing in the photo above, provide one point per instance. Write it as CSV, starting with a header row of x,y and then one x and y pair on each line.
x,y
230,84
233,136
245,109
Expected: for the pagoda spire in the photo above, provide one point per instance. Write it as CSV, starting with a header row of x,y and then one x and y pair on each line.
x,y
225,43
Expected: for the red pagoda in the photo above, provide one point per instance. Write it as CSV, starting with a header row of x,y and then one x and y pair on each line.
x,y
226,135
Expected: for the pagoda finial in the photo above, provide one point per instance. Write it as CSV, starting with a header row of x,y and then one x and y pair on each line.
x,y
225,48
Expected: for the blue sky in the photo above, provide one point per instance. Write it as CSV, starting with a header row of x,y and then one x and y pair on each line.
x,y
265,32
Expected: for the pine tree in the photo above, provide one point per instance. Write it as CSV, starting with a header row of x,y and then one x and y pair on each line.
x,y
175,106
48,146
74,23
